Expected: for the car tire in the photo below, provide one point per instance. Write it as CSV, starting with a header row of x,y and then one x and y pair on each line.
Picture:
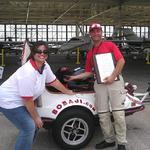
x,y
73,129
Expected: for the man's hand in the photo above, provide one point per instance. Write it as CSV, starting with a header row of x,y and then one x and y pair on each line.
x,y
109,80
69,78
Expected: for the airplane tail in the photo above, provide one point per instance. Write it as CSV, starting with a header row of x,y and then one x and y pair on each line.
x,y
130,35
127,33
25,53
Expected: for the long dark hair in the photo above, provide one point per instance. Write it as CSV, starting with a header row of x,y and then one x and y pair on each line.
x,y
35,46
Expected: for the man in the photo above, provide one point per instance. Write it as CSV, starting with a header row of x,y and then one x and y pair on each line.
x,y
109,94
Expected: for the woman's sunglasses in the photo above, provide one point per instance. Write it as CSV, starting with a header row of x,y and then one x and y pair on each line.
x,y
40,52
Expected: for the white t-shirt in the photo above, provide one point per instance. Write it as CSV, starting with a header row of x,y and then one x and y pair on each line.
x,y
26,82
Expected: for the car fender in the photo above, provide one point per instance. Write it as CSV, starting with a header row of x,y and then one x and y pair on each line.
x,y
52,104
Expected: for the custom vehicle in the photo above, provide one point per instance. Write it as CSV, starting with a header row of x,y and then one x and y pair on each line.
x,y
73,118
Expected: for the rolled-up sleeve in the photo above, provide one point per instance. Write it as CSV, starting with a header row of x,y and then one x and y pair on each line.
x,y
26,86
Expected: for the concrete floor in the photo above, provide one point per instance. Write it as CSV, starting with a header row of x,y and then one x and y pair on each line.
x,y
138,134
138,124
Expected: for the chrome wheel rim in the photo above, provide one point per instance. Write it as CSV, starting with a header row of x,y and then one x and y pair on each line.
x,y
74,131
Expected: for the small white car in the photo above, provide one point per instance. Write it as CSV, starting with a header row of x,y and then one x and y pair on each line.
x,y
72,118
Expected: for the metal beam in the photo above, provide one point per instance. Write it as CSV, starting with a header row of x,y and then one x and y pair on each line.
x,y
65,12
28,11
101,13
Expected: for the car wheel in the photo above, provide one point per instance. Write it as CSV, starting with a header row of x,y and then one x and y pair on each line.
x,y
73,129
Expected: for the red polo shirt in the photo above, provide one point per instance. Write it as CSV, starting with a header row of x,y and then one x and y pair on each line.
x,y
104,47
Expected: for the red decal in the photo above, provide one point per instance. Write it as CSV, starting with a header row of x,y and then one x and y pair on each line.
x,y
64,103
54,111
76,101
59,106
70,101
93,109
90,105
87,103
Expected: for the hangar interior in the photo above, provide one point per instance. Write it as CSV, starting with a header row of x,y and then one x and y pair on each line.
x,y
59,20
110,12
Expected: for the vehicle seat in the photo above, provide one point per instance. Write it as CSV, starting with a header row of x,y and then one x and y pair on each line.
x,y
78,85
81,85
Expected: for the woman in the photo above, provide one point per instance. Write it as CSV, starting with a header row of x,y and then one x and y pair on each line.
x,y
17,94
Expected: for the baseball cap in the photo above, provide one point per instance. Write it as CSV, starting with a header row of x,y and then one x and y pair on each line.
x,y
95,26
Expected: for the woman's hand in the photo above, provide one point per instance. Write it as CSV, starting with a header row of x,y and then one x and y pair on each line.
x,y
29,104
38,122
59,86
70,92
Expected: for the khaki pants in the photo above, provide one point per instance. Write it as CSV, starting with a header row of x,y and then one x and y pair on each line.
x,y
119,128
110,98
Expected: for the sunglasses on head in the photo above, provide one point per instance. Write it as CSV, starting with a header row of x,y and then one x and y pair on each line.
x,y
40,51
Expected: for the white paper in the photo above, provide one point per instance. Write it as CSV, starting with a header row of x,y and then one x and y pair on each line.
x,y
105,65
